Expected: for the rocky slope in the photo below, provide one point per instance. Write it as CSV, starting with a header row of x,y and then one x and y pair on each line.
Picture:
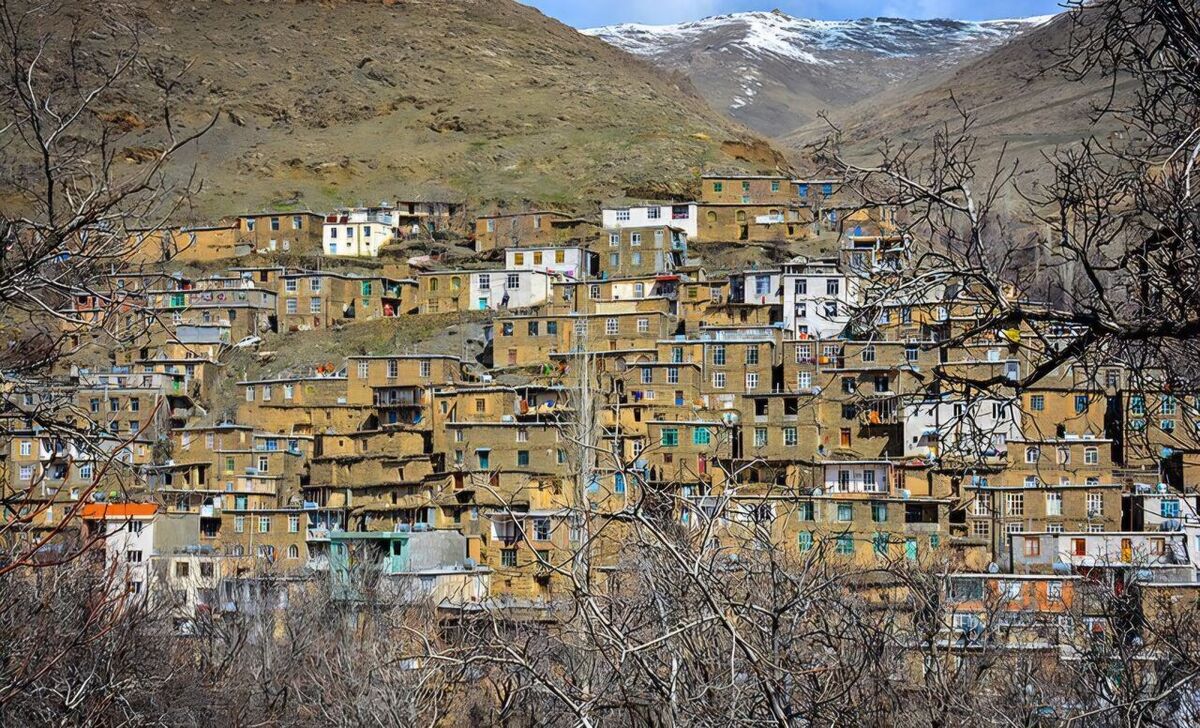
x,y
322,103
774,72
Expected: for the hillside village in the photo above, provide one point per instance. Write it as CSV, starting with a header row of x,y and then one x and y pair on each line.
x,y
523,378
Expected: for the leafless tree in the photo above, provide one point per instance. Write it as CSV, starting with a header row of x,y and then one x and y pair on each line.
x,y
78,186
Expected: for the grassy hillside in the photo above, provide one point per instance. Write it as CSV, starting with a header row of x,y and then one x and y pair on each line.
x,y
323,103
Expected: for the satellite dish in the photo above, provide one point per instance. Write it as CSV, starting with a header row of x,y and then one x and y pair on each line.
x,y
993,568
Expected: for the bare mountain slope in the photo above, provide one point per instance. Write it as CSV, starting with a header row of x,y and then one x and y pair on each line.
x,y
774,72
1016,103
338,102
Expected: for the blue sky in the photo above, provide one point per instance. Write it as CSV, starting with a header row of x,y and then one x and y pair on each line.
x,y
588,13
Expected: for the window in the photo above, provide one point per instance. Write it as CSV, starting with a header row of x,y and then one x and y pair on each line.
x,y
868,353
804,380
1032,454
293,306
508,558
1037,402
1012,528
541,529
26,472
643,325
718,380
635,238
1169,508
804,540
670,437
1081,403
879,512
1014,504
1079,546
1064,455
672,375
1095,505
719,355
1054,504
718,186
133,556
647,375
522,458
623,215
981,529
1137,404
512,281
752,354
751,381
610,327
1091,455
293,523
844,438
845,544
1168,405
264,524
789,437
760,437
289,285
700,436
293,552
26,448
807,512
801,287
845,512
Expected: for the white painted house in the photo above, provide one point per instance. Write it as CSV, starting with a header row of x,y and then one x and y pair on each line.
x,y
682,215
358,232
572,262
858,476
955,427
817,298
758,287
498,290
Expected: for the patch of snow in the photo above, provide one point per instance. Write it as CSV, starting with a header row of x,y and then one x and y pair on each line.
x,y
816,42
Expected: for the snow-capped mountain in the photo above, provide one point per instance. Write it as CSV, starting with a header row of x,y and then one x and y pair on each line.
x,y
774,72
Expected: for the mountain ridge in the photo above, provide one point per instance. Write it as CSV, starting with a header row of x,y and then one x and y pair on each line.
x,y
773,72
